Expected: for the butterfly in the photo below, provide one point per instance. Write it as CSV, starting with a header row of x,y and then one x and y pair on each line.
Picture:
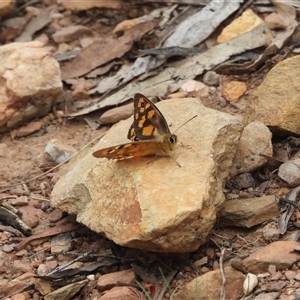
x,y
149,134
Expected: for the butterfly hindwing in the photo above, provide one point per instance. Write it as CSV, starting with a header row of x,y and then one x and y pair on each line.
x,y
129,150
148,121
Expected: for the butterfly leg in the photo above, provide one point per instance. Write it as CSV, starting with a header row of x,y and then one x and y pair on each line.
x,y
181,144
175,161
150,161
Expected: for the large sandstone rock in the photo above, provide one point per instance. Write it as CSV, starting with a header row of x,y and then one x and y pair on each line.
x,y
157,206
30,83
276,101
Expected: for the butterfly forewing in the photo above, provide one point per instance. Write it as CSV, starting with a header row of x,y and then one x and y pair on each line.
x,y
148,121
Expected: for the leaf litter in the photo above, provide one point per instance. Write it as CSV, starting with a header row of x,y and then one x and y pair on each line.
x,y
166,43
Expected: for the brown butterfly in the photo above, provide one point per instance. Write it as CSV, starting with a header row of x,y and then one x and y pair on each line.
x,y
149,133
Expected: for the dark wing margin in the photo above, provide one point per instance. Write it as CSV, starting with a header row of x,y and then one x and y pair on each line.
x,y
146,114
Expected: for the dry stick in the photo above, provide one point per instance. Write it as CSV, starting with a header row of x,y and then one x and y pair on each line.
x,y
6,187
223,291
166,285
48,232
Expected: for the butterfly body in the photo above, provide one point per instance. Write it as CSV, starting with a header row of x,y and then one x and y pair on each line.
x,y
149,134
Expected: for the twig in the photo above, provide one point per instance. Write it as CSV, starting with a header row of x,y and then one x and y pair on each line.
x,y
48,232
81,256
166,285
222,291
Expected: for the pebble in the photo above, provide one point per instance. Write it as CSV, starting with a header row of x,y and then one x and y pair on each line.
x,y
211,78
290,275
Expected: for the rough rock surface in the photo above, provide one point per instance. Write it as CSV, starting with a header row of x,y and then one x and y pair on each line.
x,y
6,7
280,253
157,206
249,212
208,286
30,80
255,140
276,101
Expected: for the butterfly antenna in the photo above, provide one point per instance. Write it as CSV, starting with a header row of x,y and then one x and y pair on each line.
x,y
186,122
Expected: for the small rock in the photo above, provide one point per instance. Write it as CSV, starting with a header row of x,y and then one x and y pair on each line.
x,y
249,212
58,151
211,78
267,296
271,234
245,23
178,95
43,270
52,264
80,91
276,276
61,242
198,88
233,90
67,291
23,266
17,284
206,285
242,181
276,286
8,248
28,129
272,269
251,145
70,33
117,114
22,252
108,281
290,172
5,262
280,254
297,277
36,75
43,286
30,215
122,292
274,21
290,275
201,262
55,215
22,200
21,296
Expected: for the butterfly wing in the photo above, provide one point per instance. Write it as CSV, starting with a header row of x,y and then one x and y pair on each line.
x,y
130,150
148,121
